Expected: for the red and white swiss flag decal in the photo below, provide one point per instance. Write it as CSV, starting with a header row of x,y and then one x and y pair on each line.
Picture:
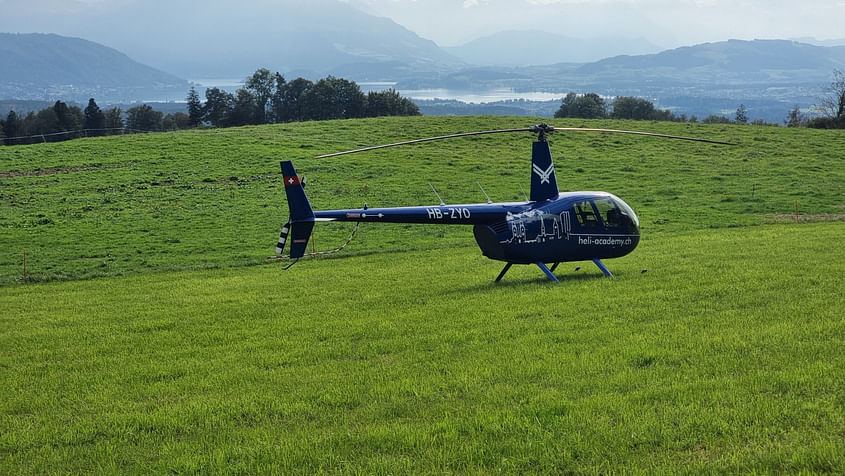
x,y
291,180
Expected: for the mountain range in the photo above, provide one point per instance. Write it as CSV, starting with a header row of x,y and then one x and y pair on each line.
x,y
535,47
321,37
40,66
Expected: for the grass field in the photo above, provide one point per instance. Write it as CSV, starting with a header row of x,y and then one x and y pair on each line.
x,y
725,356
209,199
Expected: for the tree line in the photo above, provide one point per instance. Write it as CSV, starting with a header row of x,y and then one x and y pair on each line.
x,y
830,110
62,122
265,98
268,98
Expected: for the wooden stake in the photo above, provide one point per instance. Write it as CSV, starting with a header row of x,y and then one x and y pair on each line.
x,y
24,266
796,210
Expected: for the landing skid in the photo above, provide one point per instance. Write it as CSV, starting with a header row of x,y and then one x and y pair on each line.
x,y
545,269
542,267
602,267
550,272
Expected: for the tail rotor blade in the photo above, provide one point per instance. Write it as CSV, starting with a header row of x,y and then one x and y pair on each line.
x,y
283,237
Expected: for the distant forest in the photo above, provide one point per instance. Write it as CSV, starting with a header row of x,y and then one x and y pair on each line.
x,y
593,106
268,98
265,98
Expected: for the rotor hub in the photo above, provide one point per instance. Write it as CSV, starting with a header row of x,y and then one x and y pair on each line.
x,y
541,130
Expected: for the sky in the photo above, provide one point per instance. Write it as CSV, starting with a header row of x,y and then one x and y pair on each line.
x,y
666,23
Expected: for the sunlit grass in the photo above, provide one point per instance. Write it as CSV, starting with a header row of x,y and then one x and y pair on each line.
x,y
207,199
402,355
725,356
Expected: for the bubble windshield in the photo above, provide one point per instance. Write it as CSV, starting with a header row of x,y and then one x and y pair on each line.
x,y
626,210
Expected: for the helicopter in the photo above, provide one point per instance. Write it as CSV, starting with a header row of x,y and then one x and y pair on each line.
x,y
550,227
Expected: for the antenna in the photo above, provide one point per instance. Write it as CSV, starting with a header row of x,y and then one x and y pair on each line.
x,y
485,193
442,203
523,192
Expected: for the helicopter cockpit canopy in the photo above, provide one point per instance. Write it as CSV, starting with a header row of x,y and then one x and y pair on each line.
x,y
607,210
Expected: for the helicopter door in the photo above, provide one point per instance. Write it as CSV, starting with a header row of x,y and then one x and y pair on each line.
x,y
585,214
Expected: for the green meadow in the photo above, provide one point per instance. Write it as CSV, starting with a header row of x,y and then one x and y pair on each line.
x,y
152,334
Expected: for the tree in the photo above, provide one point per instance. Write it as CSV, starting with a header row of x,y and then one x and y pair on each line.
x,y
795,118
291,100
67,118
320,103
245,109
716,119
176,121
277,101
832,105
114,119
389,103
95,120
218,107
742,114
587,106
333,98
11,127
626,107
194,107
261,84
143,118
565,105
46,121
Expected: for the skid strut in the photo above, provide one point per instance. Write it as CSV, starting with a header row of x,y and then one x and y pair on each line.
x,y
602,267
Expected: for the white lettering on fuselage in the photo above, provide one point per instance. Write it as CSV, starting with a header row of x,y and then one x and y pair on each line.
x,y
450,212
604,241
550,227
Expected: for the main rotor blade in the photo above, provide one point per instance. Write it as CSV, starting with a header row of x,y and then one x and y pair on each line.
x,y
653,134
427,139
539,128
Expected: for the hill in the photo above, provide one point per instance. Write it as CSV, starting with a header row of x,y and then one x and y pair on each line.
x,y
758,61
39,66
224,39
769,76
402,356
534,47
136,203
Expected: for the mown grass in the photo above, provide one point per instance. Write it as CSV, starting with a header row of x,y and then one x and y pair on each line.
x,y
402,355
212,198
726,356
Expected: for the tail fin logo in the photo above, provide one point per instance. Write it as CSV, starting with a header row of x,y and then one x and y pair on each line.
x,y
545,175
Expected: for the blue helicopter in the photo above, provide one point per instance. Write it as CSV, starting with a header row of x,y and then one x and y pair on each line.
x,y
551,227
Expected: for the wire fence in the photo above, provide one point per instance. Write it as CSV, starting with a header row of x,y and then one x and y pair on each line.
x,y
68,135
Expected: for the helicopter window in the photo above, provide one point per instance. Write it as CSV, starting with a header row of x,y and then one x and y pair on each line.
x,y
585,214
611,215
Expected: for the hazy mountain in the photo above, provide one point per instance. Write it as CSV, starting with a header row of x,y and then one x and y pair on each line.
x,y
758,60
768,76
231,39
534,47
813,41
39,66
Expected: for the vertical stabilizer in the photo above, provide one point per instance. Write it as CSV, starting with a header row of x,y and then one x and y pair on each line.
x,y
301,221
543,181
